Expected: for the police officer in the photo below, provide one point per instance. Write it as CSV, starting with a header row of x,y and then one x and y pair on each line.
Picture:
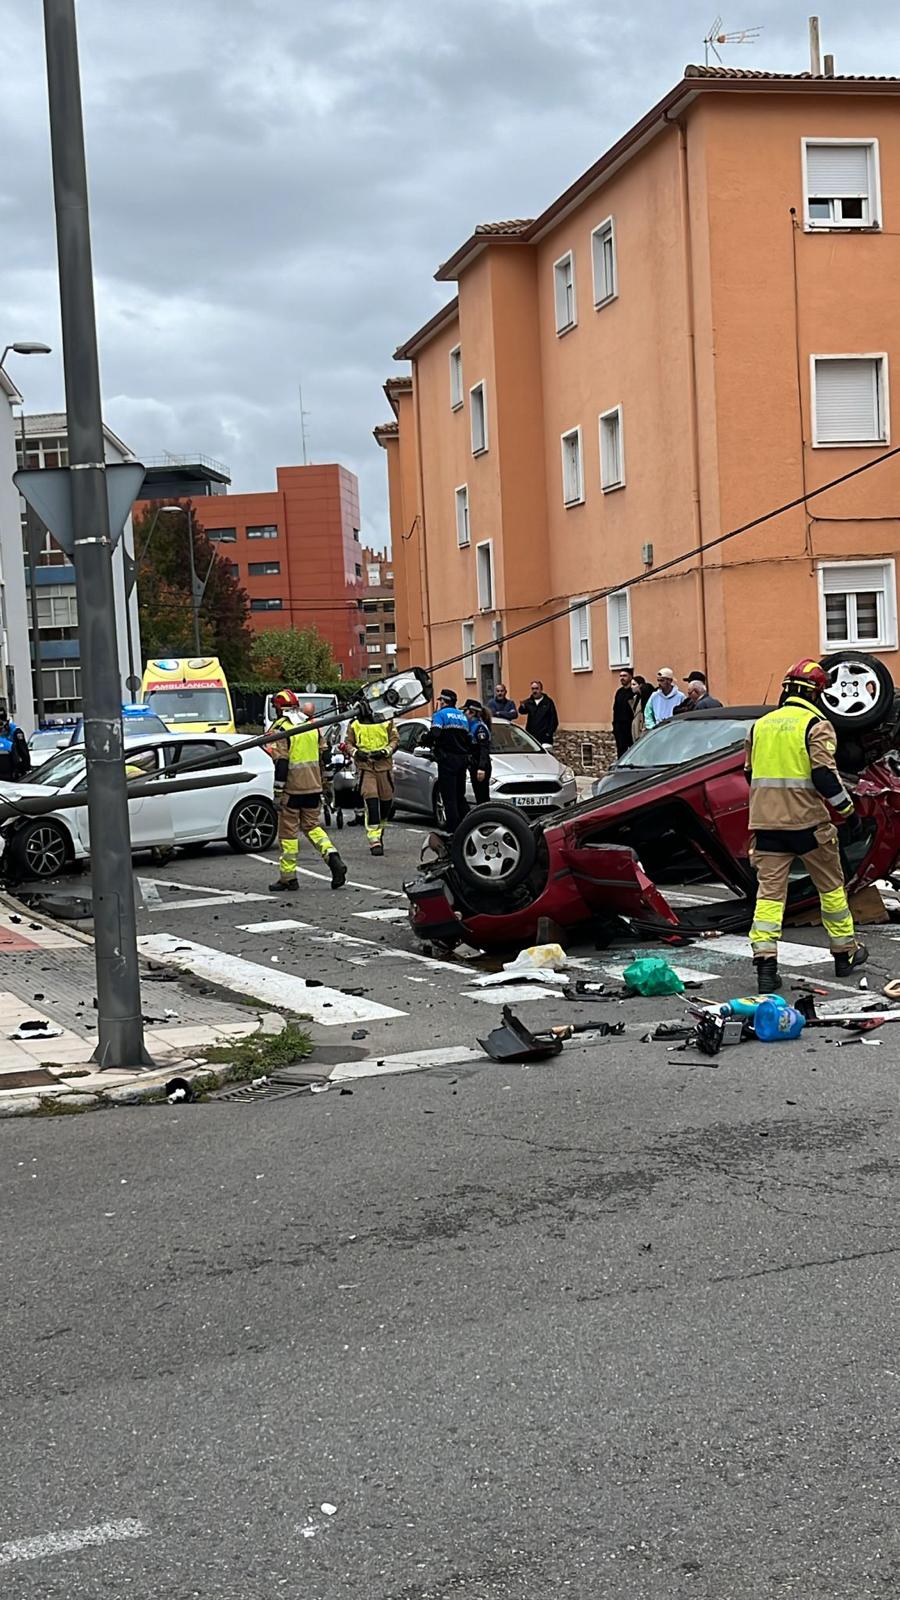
x,y
479,720
451,740
15,756
298,793
373,745
794,788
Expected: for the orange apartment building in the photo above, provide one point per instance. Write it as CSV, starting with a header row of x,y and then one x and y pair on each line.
x,y
296,551
702,327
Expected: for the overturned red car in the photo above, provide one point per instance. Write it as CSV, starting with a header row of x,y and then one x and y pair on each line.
x,y
672,812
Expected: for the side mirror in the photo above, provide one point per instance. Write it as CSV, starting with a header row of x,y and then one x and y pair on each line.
x,y
548,748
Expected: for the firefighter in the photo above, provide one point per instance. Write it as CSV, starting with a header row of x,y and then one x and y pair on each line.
x,y
794,788
298,793
373,745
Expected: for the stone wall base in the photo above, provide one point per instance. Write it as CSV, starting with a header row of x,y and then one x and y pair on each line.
x,y
588,751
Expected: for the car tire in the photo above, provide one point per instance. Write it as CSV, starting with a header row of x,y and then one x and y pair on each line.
x,y
252,825
437,806
861,693
493,849
40,849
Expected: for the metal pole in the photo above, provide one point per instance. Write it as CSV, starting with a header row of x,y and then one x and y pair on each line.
x,y
31,544
119,1020
195,606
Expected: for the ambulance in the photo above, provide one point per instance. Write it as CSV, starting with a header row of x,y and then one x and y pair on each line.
x,y
189,693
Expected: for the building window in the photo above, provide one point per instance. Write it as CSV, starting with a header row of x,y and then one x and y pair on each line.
x,y
858,605
361,637
612,451
468,644
373,574
266,605
603,261
849,399
358,570
572,470
841,183
222,535
484,557
264,569
462,515
373,628
233,569
389,575
580,637
368,605
478,407
456,378
373,649
618,627
263,530
388,605
564,292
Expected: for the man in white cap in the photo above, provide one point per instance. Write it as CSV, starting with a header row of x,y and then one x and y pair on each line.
x,y
665,697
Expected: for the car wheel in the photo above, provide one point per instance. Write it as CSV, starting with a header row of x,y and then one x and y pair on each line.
x,y
861,690
41,849
252,825
493,848
437,806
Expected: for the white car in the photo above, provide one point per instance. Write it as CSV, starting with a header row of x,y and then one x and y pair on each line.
x,y
523,773
243,813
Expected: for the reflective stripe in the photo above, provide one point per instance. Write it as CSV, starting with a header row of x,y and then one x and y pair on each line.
x,y
834,900
766,929
288,863
781,783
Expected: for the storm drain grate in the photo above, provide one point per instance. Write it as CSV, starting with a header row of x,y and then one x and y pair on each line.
x,y
244,1093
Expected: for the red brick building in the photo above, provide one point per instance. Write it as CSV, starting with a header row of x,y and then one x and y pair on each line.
x,y
378,620
296,551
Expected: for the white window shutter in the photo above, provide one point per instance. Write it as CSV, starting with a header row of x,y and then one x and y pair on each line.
x,y
852,580
837,169
847,402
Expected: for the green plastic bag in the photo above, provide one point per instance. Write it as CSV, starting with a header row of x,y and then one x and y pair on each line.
x,y
652,975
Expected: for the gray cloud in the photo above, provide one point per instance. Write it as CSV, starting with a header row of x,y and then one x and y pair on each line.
x,y
273,183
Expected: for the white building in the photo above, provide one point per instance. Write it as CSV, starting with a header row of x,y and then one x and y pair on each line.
x,y
47,446
15,659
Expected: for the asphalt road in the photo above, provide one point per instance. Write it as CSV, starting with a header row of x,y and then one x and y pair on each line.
x,y
613,1325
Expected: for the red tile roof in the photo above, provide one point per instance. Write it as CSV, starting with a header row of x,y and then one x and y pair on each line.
x,y
505,229
385,431
692,71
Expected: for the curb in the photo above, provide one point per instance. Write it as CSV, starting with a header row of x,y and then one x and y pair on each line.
x,y
19,908
148,1090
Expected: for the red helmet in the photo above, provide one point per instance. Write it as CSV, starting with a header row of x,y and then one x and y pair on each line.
x,y
807,674
285,700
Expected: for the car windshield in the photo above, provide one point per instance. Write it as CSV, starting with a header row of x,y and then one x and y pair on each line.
x,y
685,739
508,740
59,770
190,705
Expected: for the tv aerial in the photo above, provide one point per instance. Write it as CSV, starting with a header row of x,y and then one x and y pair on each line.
x,y
717,36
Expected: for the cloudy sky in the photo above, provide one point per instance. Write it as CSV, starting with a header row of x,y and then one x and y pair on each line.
x,y
273,183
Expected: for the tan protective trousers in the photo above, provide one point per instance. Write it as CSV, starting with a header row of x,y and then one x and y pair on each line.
x,y
824,867
293,819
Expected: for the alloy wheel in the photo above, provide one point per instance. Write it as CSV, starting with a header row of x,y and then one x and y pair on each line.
x,y
492,851
854,690
254,826
45,851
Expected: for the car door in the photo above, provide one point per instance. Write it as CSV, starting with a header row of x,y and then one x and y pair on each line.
x,y
149,816
413,775
201,813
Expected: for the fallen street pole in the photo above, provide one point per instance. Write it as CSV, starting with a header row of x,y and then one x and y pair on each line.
x,y
120,1031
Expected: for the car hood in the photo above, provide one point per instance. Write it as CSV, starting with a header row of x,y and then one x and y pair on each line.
x,y
526,766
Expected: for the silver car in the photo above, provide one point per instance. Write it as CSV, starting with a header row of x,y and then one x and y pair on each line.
x,y
523,773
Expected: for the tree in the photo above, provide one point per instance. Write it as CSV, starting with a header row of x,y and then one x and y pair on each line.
x,y
293,657
164,592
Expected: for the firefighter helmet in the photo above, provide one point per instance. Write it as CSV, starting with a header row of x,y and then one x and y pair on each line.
x,y
806,677
285,700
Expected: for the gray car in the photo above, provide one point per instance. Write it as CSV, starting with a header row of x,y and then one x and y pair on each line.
x,y
523,773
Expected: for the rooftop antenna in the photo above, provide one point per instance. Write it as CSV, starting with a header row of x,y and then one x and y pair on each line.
x,y
303,436
717,36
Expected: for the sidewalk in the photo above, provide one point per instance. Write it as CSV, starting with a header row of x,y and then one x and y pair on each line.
x,y
47,975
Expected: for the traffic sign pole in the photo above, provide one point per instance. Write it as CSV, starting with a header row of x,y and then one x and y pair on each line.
x,y
119,1018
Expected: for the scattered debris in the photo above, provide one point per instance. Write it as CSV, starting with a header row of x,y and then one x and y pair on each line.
x,y
178,1090
328,1508
538,957
360,1033
514,1042
319,1088
36,1028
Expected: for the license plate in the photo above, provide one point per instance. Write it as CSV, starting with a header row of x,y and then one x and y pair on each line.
x,y
529,802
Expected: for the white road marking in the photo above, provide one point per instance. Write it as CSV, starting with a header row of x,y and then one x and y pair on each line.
x,y
204,900
515,994
789,955
149,891
328,936
207,888
62,1543
325,877
383,914
280,989
409,1061
615,969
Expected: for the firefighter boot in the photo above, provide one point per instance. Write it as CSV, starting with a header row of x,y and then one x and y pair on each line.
x,y
283,886
768,978
846,962
338,870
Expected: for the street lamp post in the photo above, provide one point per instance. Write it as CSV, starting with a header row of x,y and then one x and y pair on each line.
x,y
31,347
120,1029
195,598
